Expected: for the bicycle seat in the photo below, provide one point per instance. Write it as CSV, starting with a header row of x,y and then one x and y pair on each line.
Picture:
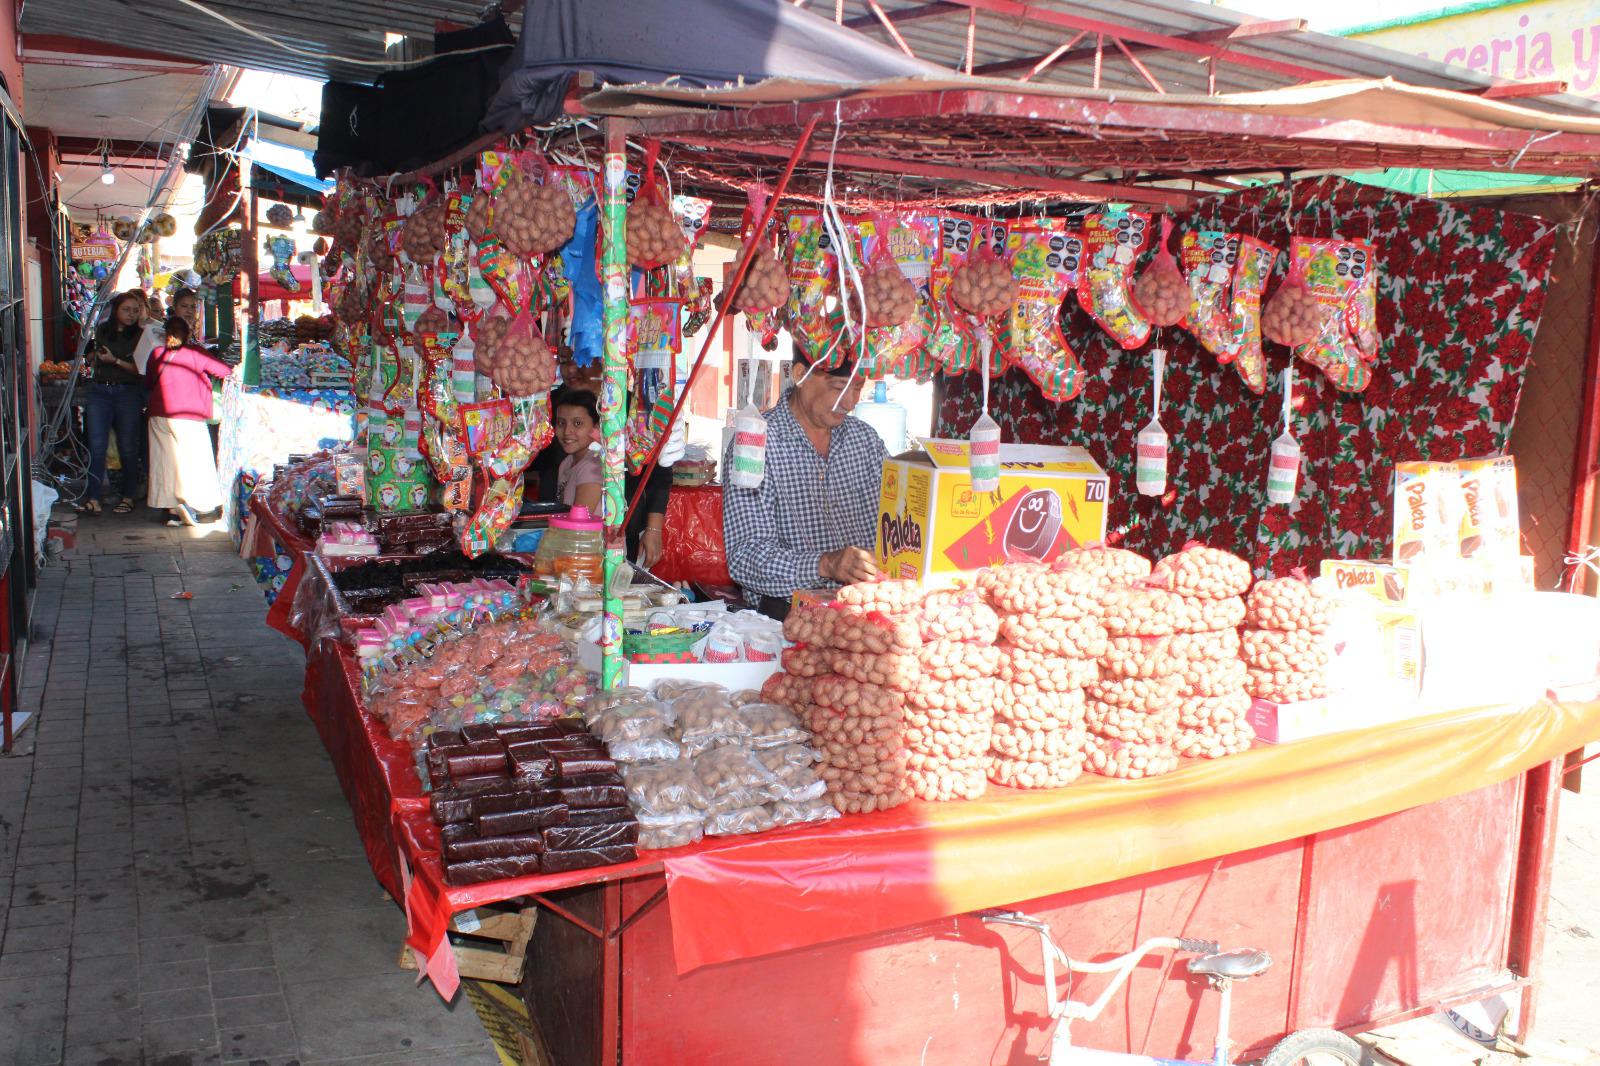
x,y
1234,965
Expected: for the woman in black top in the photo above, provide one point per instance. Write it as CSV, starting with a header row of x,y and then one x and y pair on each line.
x,y
116,402
644,532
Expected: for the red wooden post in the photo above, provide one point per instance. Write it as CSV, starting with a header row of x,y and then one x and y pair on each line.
x,y
1530,905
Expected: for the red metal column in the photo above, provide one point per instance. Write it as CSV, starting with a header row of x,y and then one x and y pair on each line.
x,y
1531,903
610,1042
1584,464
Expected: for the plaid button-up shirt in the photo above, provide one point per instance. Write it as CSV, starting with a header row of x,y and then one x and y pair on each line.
x,y
806,506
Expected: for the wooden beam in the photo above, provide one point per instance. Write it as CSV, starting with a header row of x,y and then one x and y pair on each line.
x,y
1244,30
1000,179
904,14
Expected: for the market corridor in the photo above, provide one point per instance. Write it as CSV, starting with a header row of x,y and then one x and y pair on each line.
x,y
185,885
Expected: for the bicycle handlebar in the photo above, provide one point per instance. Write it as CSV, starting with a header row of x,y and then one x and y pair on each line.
x,y
1199,947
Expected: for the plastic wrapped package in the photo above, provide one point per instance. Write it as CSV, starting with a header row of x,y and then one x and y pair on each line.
x,y
734,777
770,725
707,718
665,789
669,831
787,812
738,821
794,768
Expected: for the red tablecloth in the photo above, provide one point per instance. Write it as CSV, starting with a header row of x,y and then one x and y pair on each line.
x,y
691,545
739,897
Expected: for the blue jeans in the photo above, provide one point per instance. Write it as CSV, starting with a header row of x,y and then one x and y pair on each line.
x,y
119,407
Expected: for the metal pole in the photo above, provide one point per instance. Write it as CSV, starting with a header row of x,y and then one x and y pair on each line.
x,y
614,392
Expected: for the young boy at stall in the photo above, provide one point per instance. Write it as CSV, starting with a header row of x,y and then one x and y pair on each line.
x,y
576,416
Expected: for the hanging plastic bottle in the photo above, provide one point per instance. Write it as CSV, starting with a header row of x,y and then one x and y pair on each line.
x,y
1150,464
1283,470
749,449
983,447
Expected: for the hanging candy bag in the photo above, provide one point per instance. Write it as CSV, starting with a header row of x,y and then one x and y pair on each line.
x,y
1331,272
654,238
1249,281
899,252
1046,264
1363,311
524,365
1208,258
454,273
1112,241
951,342
813,268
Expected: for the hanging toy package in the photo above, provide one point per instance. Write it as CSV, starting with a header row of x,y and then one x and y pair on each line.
x,y
983,443
1046,263
813,269
441,441
1333,272
1249,281
1160,293
1283,468
281,249
1363,314
1207,258
1112,241
749,449
655,337
900,252
1150,464
416,297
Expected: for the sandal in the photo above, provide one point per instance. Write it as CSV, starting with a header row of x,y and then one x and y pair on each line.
x,y
182,516
123,507
91,508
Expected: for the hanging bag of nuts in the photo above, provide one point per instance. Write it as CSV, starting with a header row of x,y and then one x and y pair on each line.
x,y
654,237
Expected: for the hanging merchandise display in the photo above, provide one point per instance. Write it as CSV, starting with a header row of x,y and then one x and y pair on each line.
x,y
1150,467
749,449
983,443
654,237
813,268
1249,282
1338,276
1283,466
1112,243
1291,316
442,441
281,249
1047,264
423,236
1161,294
1208,258
898,253
655,337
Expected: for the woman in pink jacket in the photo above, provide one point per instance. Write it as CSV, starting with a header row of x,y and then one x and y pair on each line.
x,y
183,471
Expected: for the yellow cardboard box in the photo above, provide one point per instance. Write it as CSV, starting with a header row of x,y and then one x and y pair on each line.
x,y
931,525
1491,525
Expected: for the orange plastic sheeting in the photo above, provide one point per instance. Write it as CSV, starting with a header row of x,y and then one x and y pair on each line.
x,y
869,874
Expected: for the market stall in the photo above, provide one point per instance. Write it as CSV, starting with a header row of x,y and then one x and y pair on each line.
x,y
1173,740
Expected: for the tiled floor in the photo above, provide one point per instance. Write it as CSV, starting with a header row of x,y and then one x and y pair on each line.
x,y
180,879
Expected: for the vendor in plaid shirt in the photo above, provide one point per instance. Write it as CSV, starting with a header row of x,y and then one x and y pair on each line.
x,y
813,522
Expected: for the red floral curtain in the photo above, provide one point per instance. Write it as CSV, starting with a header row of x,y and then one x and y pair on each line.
x,y
1461,293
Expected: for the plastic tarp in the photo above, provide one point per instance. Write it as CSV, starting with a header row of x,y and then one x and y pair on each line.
x,y
691,42
693,548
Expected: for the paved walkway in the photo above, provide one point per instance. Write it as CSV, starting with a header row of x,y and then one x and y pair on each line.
x,y
180,879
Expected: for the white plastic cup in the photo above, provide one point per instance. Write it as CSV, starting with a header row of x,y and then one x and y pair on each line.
x,y
723,645
762,647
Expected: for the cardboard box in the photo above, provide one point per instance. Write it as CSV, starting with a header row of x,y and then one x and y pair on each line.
x,y
932,526
1384,582
1427,512
1491,523
1393,583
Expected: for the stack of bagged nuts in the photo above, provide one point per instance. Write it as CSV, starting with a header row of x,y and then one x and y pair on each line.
x,y
1051,641
1213,704
1285,643
1133,708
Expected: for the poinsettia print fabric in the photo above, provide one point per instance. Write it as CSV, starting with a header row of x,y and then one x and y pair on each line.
x,y
1461,292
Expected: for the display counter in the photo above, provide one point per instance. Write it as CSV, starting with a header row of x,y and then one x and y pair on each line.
x,y
736,899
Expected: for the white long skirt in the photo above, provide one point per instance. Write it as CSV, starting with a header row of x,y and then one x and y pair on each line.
x,y
182,468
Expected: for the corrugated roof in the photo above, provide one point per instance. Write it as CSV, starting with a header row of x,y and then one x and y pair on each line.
x,y
937,32
345,28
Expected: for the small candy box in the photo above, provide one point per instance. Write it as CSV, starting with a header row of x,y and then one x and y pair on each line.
x,y
1427,515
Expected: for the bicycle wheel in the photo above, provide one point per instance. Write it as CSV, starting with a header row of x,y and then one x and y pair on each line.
x,y
1317,1047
